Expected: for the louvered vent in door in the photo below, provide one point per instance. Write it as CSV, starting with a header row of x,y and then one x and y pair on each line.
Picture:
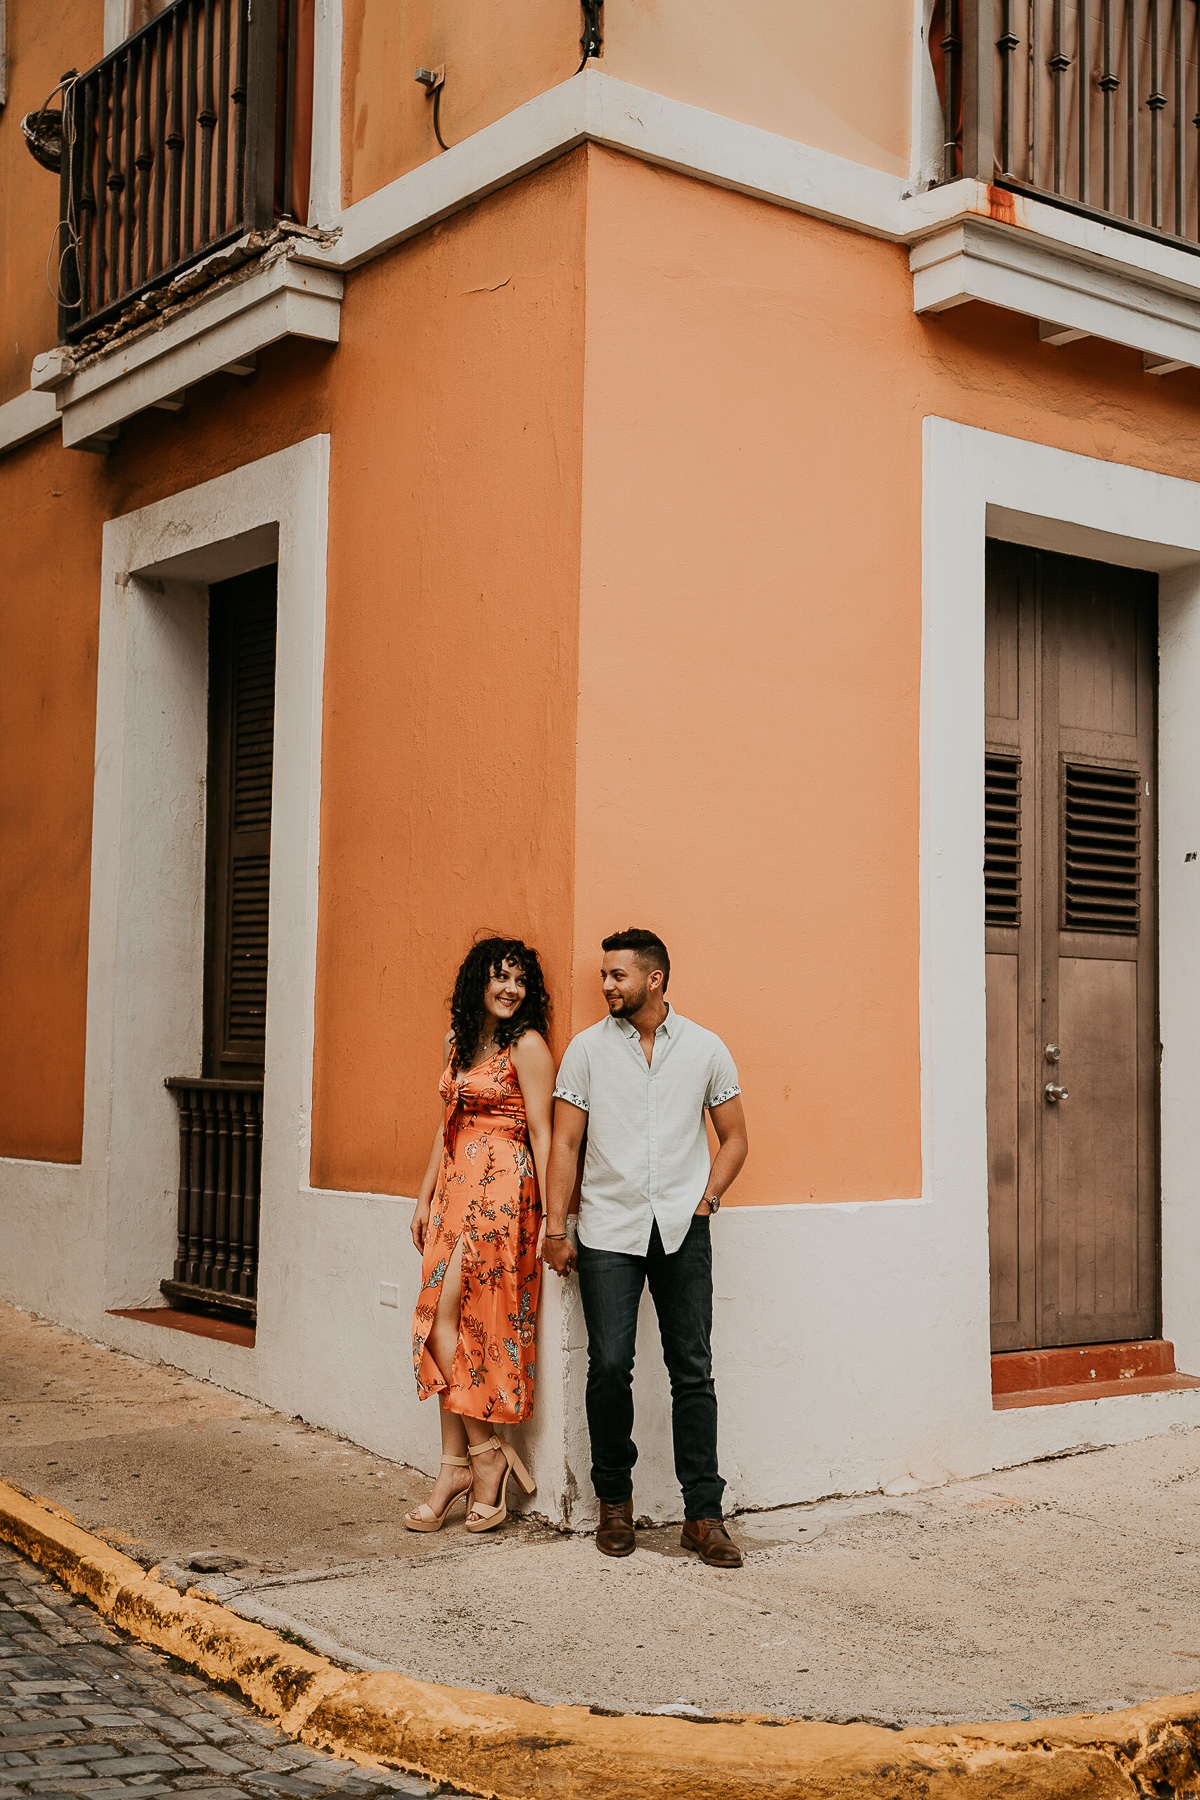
x,y
1002,840
1100,848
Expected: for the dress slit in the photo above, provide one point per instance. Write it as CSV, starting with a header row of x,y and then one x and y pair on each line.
x,y
486,1196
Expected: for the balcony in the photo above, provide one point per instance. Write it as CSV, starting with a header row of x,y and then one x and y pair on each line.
x,y
1093,106
1069,186
184,178
191,134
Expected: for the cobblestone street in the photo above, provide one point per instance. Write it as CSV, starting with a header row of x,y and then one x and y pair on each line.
x,y
84,1711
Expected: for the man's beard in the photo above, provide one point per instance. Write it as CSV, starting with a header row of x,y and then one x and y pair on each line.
x,y
628,1003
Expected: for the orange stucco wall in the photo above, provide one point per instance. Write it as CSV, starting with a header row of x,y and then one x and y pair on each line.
x,y
43,42
454,402
624,626
495,56
448,789
49,608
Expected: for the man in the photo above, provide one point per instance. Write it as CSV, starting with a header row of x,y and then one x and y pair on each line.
x,y
640,1082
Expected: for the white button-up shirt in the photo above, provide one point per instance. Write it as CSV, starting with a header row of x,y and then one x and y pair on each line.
x,y
647,1154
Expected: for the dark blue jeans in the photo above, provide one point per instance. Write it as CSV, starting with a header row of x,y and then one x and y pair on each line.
x,y
610,1286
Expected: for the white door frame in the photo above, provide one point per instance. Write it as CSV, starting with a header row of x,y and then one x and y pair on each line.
x,y
979,484
146,933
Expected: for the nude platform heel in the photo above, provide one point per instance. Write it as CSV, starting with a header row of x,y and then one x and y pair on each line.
x,y
491,1516
424,1518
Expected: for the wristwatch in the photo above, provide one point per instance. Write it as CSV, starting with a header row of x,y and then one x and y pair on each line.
x,y
714,1202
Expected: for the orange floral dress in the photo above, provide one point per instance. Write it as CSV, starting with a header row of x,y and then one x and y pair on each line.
x,y
487,1195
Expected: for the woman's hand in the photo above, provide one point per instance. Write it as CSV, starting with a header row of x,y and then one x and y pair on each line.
x,y
420,1224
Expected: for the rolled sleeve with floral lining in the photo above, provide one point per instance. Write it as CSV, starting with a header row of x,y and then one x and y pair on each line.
x,y
647,1159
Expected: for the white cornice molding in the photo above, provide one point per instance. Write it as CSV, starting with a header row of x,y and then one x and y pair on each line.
x,y
596,108
969,241
27,416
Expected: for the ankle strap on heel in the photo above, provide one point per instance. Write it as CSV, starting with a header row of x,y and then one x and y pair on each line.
x,y
493,1443
456,1462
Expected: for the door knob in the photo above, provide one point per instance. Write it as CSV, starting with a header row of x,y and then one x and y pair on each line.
x,y
1055,1094
1052,1053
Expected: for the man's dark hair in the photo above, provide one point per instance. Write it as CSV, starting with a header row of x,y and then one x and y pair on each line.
x,y
647,946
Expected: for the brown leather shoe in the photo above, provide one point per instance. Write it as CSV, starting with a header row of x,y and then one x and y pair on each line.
x,y
712,1543
614,1536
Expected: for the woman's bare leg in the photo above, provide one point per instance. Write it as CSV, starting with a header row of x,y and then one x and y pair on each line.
x,y
458,1431
441,1344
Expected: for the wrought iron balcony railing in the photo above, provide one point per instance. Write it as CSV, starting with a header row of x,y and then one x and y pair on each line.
x,y
194,131
1093,105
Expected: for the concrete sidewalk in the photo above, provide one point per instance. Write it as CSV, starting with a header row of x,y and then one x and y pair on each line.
x,y
1061,1587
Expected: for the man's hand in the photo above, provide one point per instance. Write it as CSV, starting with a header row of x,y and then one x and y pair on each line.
x,y
559,1254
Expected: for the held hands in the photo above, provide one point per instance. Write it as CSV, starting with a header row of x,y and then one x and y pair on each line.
x,y
558,1253
420,1224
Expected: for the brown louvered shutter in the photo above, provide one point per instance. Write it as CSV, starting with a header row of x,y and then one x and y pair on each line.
x,y
1002,839
1100,848
241,736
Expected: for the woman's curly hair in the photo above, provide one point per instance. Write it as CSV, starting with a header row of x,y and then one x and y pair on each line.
x,y
482,961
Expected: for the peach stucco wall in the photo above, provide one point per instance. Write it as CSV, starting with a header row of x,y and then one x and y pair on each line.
x,y
687,426
837,77
750,634
750,662
43,42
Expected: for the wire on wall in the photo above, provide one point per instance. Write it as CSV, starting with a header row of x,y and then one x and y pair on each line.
x,y
433,81
591,42
49,133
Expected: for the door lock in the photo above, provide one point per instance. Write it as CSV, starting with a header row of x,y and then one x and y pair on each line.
x,y
1052,1053
1055,1094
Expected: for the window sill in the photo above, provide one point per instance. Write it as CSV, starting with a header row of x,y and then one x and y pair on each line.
x,y
1085,1372
1096,1390
224,1331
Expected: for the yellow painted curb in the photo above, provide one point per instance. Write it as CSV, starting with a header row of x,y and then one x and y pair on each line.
x,y
513,1750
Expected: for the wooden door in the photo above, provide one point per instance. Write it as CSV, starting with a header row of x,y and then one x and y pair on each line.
x,y
241,712
1070,882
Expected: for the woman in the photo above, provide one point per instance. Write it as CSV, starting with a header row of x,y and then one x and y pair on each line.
x,y
479,1225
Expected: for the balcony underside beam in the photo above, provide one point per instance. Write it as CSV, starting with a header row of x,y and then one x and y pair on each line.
x,y
1071,296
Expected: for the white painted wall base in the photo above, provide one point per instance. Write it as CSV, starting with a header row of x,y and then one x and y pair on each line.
x,y
817,1396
